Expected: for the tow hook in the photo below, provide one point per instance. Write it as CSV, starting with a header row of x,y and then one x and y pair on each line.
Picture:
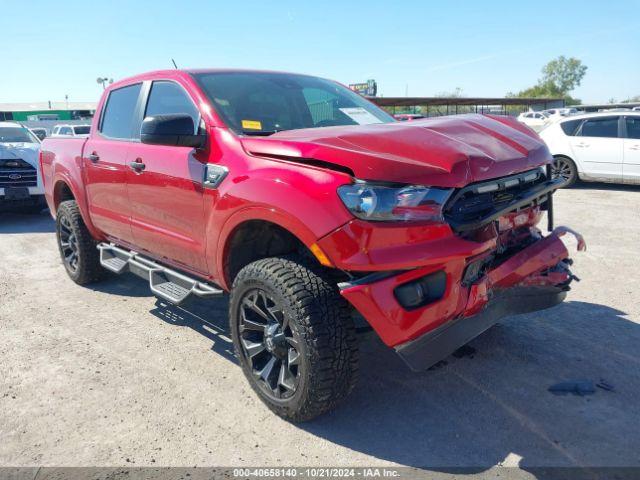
x,y
560,231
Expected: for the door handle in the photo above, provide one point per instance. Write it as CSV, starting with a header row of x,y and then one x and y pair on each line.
x,y
634,147
137,165
94,157
582,145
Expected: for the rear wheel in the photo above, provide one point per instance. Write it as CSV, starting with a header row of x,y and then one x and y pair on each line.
x,y
293,336
78,250
564,168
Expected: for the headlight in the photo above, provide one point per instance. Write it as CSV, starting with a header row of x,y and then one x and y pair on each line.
x,y
376,202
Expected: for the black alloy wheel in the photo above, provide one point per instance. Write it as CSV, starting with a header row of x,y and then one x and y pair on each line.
x,y
68,244
269,344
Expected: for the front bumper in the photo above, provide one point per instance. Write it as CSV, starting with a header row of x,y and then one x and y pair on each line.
x,y
35,198
430,348
466,308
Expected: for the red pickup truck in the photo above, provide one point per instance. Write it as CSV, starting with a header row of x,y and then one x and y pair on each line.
x,y
315,210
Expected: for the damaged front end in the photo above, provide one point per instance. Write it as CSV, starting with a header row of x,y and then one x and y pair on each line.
x,y
495,263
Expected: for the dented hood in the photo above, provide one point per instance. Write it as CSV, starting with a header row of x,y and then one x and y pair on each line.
x,y
446,151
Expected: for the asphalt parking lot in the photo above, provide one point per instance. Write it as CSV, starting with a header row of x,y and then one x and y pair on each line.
x,y
110,375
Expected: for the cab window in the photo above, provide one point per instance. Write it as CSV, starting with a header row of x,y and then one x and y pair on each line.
x,y
169,97
118,115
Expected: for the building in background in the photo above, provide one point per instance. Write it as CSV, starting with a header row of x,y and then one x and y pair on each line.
x,y
48,114
47,111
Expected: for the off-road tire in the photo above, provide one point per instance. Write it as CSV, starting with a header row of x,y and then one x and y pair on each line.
x,y
88,265
325,333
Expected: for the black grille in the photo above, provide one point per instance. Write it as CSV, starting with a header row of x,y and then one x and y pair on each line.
x,y
479,202
16,172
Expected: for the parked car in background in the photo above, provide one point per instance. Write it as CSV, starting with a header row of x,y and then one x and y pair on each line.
x,y
81,131
407,117
602,147
554,114
20,180
535,120
41,133
636,109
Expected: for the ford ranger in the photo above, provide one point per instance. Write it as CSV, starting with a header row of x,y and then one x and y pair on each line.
x,y
315,210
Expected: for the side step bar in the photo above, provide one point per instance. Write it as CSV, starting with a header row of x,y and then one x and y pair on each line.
x,y
172,286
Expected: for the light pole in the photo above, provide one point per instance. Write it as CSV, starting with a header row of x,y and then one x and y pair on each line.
x,y
103,81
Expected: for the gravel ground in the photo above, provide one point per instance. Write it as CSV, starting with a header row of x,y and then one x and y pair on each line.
x,y
111,376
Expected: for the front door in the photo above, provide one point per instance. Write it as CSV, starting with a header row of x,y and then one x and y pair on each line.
x,y
631,166
104,158
166,195
598,147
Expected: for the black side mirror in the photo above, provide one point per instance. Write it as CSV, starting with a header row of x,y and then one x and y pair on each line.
x,y
41,135
175,129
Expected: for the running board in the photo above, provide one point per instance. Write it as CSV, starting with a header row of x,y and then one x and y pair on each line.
x,y
165,283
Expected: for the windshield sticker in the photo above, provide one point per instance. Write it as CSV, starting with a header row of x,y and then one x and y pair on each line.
x,y
251,125
360,116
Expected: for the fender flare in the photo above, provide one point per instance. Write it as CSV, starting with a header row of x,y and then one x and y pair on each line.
x,y
276,216
80,198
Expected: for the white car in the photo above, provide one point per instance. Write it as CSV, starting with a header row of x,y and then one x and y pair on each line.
x,y
20,178
558,113
80,131
597,147
536,120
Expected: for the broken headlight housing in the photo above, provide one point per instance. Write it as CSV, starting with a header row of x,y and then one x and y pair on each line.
x,y
393,203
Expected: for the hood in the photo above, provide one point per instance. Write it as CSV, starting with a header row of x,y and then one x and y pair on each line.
x,y
24,151
445,151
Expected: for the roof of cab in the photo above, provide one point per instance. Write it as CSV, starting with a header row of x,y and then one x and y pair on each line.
x,y
173,73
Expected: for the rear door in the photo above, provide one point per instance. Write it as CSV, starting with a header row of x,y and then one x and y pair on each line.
x,y
597,145
631,166
105,157
166,198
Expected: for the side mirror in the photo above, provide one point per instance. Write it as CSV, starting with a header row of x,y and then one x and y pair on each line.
x,y
41,135
174,129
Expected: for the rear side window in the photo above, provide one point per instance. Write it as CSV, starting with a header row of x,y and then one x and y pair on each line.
x,y
600,127
633,127
169,97
570,127
118,116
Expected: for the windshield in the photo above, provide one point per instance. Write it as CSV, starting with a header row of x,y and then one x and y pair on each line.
x,y
264,103
82,130
16,135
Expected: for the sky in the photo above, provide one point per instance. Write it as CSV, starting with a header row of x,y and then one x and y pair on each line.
x,y
486,48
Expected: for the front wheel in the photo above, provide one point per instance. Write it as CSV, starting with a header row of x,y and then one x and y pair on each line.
x,y
565,169
78,250
293,336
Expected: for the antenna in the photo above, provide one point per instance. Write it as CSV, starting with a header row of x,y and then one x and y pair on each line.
x,y
174,63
